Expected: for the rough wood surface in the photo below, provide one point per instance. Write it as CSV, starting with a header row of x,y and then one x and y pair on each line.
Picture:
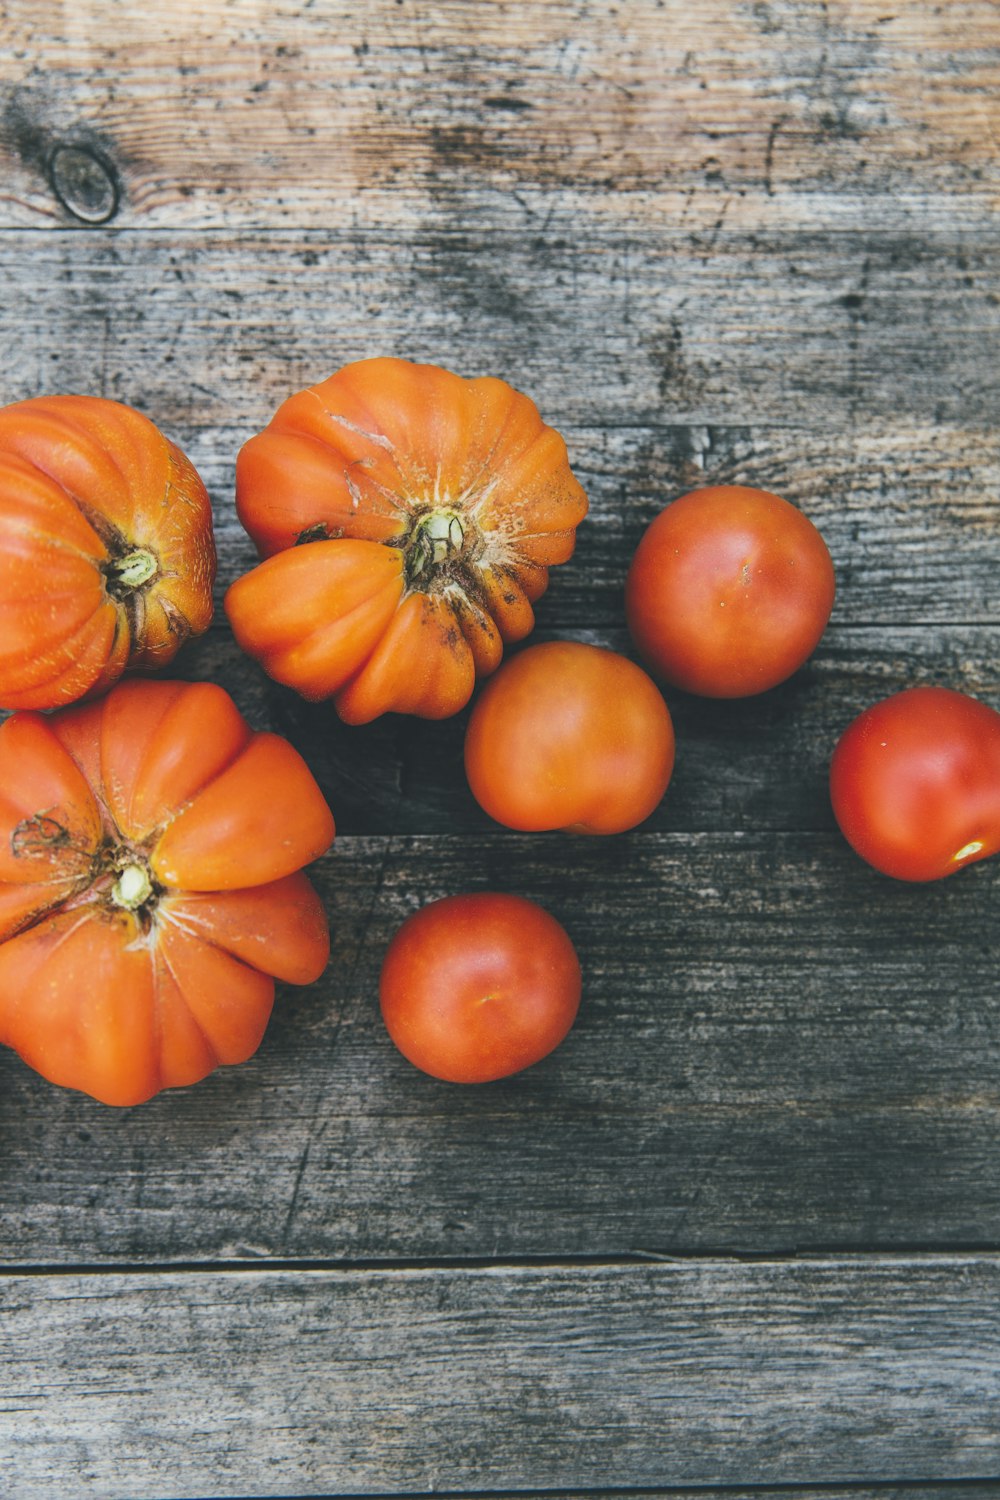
x,y
292,1383
747,240
829,331
753,765
777,1049
786,112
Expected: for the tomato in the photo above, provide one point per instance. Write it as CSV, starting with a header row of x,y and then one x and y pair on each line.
x,y
729,592
106,551
915,783
408,519
475,988
569,736
150,887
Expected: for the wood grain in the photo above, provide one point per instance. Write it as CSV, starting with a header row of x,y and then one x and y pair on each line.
x,y
777,1049
755,764
744,241
400,114
279,1382
656,326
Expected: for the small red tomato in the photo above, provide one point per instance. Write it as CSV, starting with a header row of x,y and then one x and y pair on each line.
x,y
478,987
729,592
569,736
915,783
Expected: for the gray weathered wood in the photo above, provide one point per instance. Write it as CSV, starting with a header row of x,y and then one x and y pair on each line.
x,y
782,113
777,1048
292,1383
647,326
756,764
730,241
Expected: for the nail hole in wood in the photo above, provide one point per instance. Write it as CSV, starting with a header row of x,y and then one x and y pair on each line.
x,y
85,185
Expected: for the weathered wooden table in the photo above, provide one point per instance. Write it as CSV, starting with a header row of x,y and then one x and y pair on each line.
x,y
743,1227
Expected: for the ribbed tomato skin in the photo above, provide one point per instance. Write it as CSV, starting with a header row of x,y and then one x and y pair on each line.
x,y
151,892
106,551
407,519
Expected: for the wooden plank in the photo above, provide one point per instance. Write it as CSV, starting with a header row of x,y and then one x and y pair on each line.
x,y
780,113
777,1049
641,329
278,1382
908,510
755,764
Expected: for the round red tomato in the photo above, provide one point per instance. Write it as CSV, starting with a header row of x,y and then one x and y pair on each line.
x,y
915,783
729,592
478,987
569,736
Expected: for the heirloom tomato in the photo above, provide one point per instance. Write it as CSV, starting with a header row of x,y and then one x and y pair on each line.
x,y
729,592
106,551
429,509
150,887
915,783
569,736
475,988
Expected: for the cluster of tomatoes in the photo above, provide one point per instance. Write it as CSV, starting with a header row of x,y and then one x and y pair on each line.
x,y
152,845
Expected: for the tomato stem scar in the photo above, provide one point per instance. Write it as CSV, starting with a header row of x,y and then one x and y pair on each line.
x,y
134,569
132,887
437,536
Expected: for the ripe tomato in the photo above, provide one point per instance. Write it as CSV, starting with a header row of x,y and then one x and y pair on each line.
x,y
106,551
433,508
475,988
729,592
915,783
150,848
569,736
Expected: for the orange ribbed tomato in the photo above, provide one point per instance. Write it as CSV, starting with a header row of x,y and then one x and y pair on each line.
x,y
106,552
150,887
432,506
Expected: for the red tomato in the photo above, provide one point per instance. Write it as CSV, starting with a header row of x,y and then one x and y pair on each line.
x,y
915,783
729,592
106,550
478,987
150,887
408,519
569,736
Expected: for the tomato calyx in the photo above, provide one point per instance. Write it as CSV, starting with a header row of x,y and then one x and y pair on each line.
x,y
134,886
439,540
133,570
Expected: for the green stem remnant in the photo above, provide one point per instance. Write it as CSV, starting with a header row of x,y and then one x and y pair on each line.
x,y
437,537
133,570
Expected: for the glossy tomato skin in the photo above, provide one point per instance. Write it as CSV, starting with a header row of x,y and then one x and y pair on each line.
x,y
106,551
915,783
729,592
477,987
150,887
407,519
570,736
